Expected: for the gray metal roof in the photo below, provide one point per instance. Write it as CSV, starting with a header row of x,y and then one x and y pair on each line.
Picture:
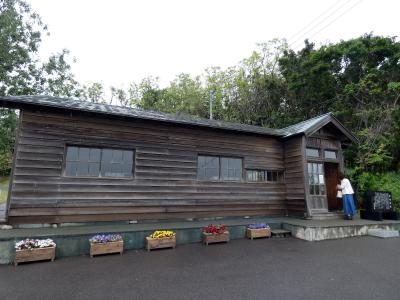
x,y
77,105
305,125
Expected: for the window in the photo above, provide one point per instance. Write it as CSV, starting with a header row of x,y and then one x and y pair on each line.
x,y
231,168
96,162
264,175
208,167
255,175
312,152
219,168
330,154
274,176
316,178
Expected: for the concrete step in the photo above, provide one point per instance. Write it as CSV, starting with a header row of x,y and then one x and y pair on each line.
x,y
383,233
327,216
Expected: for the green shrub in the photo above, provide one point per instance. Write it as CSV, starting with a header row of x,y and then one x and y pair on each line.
x,y
388,182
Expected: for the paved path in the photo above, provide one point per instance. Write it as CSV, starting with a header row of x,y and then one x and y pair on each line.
x,y
357,268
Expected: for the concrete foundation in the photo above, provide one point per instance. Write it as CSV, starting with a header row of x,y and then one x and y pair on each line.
x,y
316,230
72,240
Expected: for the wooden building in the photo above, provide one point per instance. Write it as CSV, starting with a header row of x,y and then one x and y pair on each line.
x,y
77,161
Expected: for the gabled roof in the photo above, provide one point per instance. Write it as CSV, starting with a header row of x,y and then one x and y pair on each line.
x,y
310,126
77,105
306,127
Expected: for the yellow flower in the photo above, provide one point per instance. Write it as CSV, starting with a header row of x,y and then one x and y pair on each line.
x,y
159,234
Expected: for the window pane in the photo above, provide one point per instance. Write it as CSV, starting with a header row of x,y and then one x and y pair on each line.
x,y
208,167
94,155
117,156
322,189
83,169
128,156
70,168
274,176
255,175
321,179
127,170
316,189
231,168
212,173
84,154
311,189
250,175
269,176
330,154
280,177
94,169
309,168
72,153
106,169
106,155
312,152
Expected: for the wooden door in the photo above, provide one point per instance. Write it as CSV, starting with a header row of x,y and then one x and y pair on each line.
x,y
332,179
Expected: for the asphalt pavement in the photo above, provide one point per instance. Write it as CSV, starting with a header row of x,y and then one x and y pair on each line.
x,y
287,268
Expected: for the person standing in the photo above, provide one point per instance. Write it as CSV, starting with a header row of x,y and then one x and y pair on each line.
x,y
348,197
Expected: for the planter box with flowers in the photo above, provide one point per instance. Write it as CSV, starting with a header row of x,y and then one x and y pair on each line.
x,y
161,239
215,234
258,230
106,244
34,250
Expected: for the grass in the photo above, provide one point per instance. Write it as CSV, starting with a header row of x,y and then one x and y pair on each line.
x,y
4,182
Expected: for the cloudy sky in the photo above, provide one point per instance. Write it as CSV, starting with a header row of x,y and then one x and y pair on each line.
x,y
117,42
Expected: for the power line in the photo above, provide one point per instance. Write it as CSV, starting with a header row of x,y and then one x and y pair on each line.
x,y
313,21
320,23
334,20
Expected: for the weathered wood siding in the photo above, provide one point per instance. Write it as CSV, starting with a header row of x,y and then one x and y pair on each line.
x,y
164,183
294,176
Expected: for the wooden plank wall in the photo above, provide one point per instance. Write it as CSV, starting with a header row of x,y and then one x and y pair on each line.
x,y
164,183
294,177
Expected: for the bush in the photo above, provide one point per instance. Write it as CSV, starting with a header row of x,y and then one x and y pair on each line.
x,y
388,182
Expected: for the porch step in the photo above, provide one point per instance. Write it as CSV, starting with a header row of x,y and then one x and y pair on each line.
x,y
327,216
383,233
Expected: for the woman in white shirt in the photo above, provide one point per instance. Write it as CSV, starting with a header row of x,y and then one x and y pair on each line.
x,y
348,197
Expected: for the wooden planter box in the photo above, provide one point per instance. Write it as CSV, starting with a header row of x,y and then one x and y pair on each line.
x,y
166,242
215,238
107,248
35,254
258,233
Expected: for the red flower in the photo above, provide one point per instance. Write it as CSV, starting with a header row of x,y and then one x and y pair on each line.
x,y
214,229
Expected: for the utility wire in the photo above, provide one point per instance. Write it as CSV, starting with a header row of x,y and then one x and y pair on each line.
x,y
334,20
313,21
304,36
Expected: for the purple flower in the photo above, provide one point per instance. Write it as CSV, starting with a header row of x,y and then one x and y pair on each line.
x,y
258,226
105,238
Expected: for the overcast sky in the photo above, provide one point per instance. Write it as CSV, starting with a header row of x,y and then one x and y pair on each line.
x,y
117,42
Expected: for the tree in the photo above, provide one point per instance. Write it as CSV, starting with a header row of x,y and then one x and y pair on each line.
x,y
22,72
359,80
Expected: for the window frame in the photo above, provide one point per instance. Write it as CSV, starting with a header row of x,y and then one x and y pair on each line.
x,y
331,150
279,174
99,177
313,156
220,179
